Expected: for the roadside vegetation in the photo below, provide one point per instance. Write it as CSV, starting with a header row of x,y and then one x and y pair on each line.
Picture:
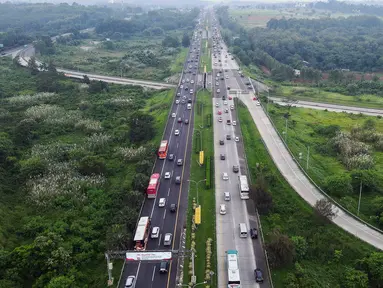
x,y
206,56
198,237
75,162
304,251
346,151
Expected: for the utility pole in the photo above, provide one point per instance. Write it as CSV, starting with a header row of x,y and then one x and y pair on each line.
x,y
360,194
109,267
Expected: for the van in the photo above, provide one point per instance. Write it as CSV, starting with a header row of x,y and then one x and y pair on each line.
x,y
189,106
164,267
242,230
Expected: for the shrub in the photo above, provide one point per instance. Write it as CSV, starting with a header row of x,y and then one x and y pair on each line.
x,y
208,173
197,143
131,154
338,185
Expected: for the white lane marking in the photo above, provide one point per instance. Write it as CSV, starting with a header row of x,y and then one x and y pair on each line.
x,y
178,144
159,240
138,269
169,192
164,214
154,270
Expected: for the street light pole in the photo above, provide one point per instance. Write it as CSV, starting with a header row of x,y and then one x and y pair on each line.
x,y
360,194
286,132
197,186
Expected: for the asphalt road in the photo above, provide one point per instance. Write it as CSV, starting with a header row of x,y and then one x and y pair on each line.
x,y
329,107
290,170
251,255
147,274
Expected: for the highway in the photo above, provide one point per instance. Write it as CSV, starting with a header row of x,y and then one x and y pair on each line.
x,y
328,107
147,274
251,254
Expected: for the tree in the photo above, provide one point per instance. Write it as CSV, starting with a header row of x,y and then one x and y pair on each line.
x,y
300,246
24,131
140,182
32,65
51,67
90,165
144,167
262,199
185,40
324,209
86,79
280,249
353,278
141,127
32,167
6,147
61,282
170,41
373,266
338,185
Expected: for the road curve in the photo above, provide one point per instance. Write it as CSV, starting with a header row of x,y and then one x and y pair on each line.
x,y
329,107
298,180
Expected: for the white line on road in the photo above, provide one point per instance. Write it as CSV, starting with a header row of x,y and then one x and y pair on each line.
x,y
154,270
169,192
159,240
164,213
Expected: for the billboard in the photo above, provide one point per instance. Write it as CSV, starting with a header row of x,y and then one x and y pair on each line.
x,y
148,256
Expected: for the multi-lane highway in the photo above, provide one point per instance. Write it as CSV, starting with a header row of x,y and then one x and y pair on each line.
x,y
250,251
147,274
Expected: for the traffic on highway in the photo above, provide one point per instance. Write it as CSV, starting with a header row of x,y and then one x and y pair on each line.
x,y
164,210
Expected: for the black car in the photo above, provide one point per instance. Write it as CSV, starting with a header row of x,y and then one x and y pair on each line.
x,y
235,168
164,267
223,157
171,157
186,121
254,233
221,142
189,100
258,275
223,97
173,208
228,87
228,137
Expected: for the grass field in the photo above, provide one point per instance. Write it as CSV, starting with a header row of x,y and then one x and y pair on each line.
x,y
251,18
294,217
206,196
301,134
318,95
124,59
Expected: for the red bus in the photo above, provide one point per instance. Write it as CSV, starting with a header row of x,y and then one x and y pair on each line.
x,y
163,150
142,233
154,183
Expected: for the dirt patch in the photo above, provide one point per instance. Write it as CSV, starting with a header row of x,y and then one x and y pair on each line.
x,y
86,48
265,70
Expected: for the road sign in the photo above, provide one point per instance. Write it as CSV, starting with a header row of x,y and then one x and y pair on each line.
x,y
148,256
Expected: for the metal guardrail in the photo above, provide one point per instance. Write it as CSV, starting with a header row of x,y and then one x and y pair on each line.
x,y
312,181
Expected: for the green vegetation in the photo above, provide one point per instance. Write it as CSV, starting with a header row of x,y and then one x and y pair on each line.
x,y
206,198
295,92
73,174
338,162
323,255
206,56
146,57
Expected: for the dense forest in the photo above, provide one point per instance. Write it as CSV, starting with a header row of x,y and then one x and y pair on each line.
x,y
152,23
74,163
354,43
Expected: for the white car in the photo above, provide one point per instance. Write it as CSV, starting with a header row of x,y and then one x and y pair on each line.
x,y
231,107
225,176
162,202
173,115
167,175
155,232
227,77
192,81
182,87
219,119
225,102
234,123
177,132
216,104
222,209
177,101
236,139
130,281
257,103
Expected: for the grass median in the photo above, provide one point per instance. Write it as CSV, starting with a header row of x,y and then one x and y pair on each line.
x,y
206,56
320,265
206,197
